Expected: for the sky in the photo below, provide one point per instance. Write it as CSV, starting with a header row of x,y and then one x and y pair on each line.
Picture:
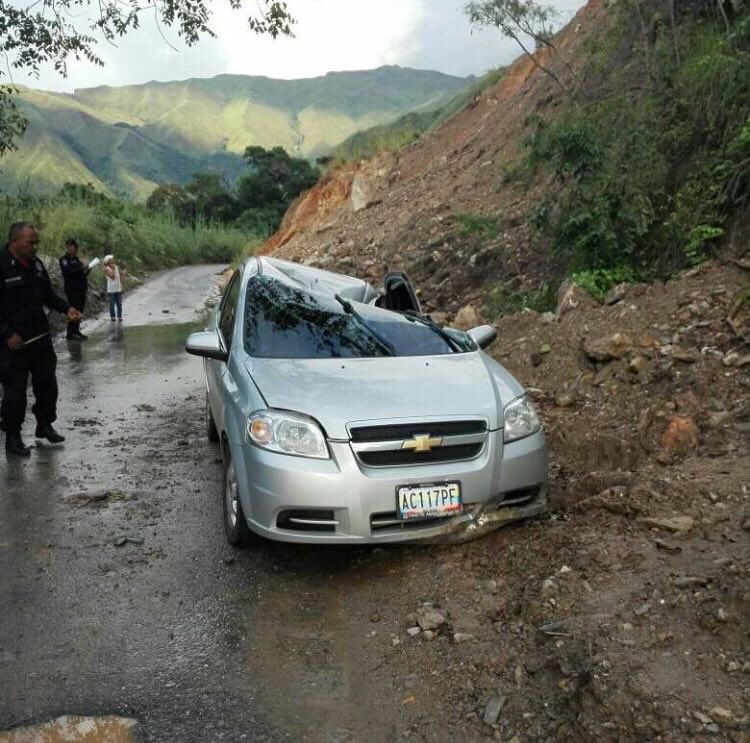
x,y
330,35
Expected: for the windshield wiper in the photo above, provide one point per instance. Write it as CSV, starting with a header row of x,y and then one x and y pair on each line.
x,y
447,337
382,342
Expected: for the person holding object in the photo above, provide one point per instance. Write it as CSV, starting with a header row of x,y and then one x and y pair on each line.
x,y
25,339
114,287
74,272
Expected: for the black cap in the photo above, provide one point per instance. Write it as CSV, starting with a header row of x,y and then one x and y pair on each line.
x,y
71,241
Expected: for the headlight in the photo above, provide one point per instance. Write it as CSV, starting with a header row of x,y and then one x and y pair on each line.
x,y
520,419
287,433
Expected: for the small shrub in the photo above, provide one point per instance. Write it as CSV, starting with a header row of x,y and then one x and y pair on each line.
x,y
503,301
477,225
599,281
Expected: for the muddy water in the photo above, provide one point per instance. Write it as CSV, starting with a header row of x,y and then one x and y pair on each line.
x,y
75,730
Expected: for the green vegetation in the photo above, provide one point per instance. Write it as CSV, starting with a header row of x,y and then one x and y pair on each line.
x,y
599,281
408,128
142,240
521,21
645,179
257,203
127,140
477,225
504,301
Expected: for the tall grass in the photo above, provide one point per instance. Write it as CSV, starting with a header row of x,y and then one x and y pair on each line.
x,y
141,241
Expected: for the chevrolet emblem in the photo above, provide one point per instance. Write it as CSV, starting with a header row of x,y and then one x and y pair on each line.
x,y
423,442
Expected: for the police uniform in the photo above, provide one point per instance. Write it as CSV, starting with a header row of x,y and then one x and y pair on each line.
x,y
76,284
25,289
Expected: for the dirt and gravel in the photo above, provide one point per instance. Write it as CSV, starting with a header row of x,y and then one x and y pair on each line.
x,y
622,615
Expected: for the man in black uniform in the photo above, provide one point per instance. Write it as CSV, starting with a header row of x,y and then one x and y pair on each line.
x,y
25,340
74,272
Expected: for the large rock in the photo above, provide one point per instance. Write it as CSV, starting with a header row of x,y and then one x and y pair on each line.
x,y
608,348
429,618
681,437
467,317
570,296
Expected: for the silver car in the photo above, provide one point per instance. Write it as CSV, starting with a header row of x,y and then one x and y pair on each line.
x,y
346,416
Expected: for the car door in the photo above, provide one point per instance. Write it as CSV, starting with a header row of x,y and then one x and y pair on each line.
x,y
216,371
399,294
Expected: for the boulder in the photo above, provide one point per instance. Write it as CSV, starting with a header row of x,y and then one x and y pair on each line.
x,y
467,317
608,348
681,437
570,296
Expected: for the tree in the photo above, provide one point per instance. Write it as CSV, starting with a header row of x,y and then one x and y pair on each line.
x,y
214,202
37,32
275,180
519,20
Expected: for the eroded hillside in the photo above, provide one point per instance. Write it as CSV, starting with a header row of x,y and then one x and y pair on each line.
x,y
625,615
467,209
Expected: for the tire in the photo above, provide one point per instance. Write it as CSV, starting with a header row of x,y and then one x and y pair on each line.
x,y
235,526
212,434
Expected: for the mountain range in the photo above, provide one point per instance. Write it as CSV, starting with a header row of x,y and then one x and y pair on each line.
x,y
126,140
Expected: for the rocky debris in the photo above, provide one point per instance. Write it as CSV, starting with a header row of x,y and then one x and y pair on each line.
x,y
492,709
675,524
608,348
616,294
467,317
690,582
98,498
122,539
429,618
459,637
570,296
681,438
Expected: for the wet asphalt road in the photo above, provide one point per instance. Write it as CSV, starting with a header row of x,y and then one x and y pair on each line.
x,y
119,594
153,628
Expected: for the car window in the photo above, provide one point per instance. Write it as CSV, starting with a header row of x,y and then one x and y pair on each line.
x,y
282,321
229,308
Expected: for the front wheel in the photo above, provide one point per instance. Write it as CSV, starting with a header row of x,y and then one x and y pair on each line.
x,y
235,525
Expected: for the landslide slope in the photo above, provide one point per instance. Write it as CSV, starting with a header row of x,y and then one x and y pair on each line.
x,y
463,209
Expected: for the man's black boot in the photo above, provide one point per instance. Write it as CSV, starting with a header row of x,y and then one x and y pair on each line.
x,y
45,431
14,445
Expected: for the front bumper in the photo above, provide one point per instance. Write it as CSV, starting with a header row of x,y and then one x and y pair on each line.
x,y
357,504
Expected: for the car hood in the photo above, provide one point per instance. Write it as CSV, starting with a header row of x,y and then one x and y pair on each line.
x,y
339,391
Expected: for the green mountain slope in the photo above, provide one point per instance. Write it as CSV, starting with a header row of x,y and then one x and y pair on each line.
x,y
125,140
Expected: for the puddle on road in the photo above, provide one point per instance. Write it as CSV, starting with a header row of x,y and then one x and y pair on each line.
x,y
70,729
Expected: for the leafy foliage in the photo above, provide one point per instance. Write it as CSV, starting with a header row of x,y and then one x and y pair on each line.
x,y
256,204
521,20
599,281
504,301
140,238
477,225
642,182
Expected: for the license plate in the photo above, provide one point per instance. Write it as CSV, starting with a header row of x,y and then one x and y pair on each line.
x,y
430,500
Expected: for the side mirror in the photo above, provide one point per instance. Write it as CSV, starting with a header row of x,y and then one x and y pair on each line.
x,y
207,344
483,335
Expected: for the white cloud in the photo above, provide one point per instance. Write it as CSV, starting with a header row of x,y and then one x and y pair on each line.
x,y
330,35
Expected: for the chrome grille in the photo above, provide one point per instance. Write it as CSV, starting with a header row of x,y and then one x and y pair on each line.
x,y
405,456
414,444
409,430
